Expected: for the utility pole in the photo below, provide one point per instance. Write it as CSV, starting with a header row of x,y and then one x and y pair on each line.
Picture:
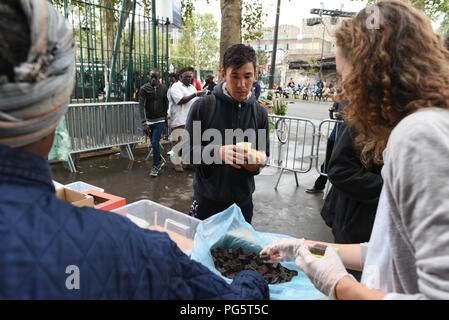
x,y
314,21
275,46
153,17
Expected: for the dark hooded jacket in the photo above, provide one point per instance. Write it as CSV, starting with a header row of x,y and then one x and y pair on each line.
x,y
222,182
154,101
350,207
47,244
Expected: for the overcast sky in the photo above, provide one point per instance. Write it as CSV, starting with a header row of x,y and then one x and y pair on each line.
x,y
292,12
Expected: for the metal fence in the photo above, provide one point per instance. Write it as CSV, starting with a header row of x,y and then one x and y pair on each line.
x,y
94,126
117,44
298,145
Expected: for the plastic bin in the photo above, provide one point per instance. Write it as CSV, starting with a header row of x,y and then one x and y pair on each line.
x,y
146,213
57,185
81,186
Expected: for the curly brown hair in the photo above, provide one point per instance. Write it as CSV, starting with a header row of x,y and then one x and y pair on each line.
x,y
396,69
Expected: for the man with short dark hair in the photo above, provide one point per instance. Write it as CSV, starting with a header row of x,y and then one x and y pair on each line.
x,y
153,99
219,185
195,82
50,249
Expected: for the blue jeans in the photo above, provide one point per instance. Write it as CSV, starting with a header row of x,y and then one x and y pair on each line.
x,y
156,133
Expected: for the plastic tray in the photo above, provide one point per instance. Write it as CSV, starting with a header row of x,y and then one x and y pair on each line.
x,y
146,213
81,186
57,185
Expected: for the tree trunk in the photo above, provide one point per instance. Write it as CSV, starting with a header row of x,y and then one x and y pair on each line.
x,y
231,24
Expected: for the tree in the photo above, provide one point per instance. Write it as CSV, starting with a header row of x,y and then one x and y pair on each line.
x,y
199,40
240,19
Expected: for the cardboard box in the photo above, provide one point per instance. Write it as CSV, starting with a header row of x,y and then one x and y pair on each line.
x,y
78,199
105,201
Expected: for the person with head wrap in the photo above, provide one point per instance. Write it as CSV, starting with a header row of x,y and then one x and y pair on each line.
x,y
51,249
183,94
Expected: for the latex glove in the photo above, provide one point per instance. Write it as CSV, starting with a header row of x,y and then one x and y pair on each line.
x,y
282,250
324,272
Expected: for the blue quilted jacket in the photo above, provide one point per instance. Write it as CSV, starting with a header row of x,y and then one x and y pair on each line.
x,y
50,249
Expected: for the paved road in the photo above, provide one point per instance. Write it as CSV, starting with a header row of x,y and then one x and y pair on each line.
x,y
309,110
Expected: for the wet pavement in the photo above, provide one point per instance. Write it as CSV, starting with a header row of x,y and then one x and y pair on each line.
x,y
286,210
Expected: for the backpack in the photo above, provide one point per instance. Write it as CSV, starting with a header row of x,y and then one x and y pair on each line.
x,y
210,104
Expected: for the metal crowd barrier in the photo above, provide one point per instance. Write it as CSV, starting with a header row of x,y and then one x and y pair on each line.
x,y
94,126
291,144
298,144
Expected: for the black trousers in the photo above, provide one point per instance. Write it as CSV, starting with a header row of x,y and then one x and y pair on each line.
x,y
320,182
205,208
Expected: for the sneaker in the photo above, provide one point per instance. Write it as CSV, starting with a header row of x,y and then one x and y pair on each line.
x,y
313,190
154,172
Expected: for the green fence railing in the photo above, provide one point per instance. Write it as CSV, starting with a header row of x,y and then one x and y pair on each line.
x,y
116,46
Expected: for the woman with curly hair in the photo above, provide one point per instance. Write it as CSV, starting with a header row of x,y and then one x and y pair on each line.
x,y
395,75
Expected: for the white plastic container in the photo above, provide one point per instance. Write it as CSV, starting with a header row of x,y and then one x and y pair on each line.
x,y
146,213
57,185
81,186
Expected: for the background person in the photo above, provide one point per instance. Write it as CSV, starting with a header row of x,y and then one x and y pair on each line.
x,y
183,95
209,84
153,99
45,239
401,111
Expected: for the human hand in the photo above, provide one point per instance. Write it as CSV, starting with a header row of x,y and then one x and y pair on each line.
x,y
201,93
146,128
324,272
282,250
231,156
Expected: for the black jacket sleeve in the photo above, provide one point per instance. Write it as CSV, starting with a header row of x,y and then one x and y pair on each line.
x,y
348,174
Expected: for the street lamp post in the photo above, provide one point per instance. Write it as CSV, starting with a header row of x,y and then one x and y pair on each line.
x,y
322,41
275,43
323,12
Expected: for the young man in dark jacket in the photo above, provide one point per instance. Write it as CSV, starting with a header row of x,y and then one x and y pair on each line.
x,y
51,249
230,179
153,99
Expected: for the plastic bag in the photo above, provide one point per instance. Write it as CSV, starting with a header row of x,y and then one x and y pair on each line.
x,y
228,229
61,145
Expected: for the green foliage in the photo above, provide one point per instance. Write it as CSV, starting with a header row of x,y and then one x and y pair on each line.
x,y
253,19
281,110
199,41
444,26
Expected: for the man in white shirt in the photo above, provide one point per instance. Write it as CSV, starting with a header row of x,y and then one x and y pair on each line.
x,y
183,94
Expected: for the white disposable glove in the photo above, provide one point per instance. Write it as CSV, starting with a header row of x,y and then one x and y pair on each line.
x,y
324,272
282,250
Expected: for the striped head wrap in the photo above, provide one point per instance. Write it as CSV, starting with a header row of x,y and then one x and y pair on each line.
x,y
32,105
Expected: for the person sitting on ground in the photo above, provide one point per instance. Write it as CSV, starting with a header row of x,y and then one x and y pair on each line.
x,y
50,248
400,108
